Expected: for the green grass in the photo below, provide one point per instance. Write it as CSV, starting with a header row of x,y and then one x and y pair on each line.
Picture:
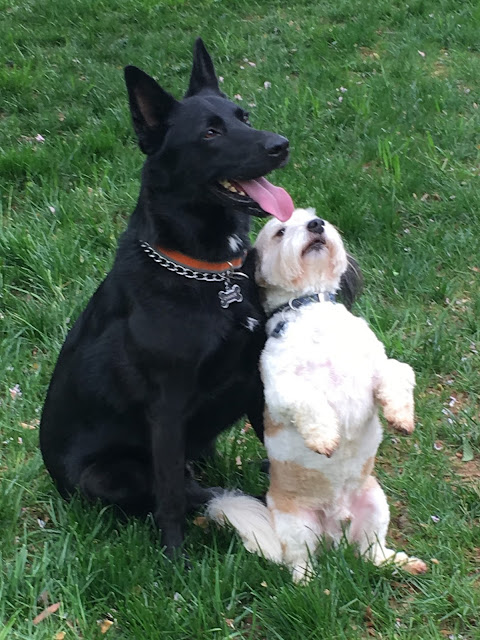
x,y
395,164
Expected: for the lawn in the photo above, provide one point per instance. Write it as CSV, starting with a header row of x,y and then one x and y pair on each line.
x,y
380,101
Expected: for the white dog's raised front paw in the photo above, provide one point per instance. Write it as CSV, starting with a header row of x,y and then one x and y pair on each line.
x,y
395,394
323,446
319,429
401,419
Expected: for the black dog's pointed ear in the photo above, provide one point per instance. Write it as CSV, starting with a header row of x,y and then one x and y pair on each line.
x,y
150,106
203,72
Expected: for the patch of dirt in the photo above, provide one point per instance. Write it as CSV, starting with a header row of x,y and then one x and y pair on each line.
x,y
366,52
469,471
400,526
440,69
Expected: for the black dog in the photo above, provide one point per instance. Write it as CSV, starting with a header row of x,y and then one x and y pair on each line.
x,y
164,357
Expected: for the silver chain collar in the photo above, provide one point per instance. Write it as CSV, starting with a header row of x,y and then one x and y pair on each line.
x,y
232,292
206,276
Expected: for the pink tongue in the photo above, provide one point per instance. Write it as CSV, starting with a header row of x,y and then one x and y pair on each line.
x,y
272,199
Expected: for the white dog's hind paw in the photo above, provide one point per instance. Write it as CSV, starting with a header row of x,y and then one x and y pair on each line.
x,y
302,574
414,566
407,563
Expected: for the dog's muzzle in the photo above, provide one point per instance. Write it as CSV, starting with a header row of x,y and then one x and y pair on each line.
x,y
316,225
316,228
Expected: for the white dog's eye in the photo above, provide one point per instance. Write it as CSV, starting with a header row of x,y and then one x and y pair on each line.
x,y
280,233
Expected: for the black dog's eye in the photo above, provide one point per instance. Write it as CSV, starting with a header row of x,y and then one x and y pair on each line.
x,y
246,118
280,233
211,133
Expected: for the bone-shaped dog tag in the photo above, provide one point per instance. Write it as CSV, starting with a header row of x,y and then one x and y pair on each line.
x,y
231,294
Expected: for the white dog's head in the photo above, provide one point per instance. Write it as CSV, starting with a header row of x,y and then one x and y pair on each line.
x,y
301,256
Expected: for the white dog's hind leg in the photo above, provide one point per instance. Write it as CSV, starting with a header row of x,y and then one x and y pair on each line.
x,y
298,532
394,393
370,517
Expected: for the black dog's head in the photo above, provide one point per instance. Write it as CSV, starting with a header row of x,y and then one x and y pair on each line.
x,y
204,145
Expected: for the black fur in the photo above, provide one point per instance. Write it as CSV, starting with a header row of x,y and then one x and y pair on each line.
x,y
351,284
154,368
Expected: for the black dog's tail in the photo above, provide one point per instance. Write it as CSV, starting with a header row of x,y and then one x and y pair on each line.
x,y
351,284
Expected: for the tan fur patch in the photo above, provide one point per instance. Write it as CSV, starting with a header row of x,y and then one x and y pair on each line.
x,y
371,483
415,566
294,487
406,427
271,428
331,267
368,467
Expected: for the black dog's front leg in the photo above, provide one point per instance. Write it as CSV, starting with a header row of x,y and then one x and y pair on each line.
x,y
255,414
168,454
256,406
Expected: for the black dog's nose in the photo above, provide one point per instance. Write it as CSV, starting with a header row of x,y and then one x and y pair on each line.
x,y
276,145
316,225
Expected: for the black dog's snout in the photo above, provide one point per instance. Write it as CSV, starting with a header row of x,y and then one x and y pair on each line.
x,y
316,225
276,146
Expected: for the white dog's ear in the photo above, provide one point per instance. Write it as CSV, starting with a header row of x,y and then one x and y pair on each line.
x,y
339,263
338,255
259,278
351,284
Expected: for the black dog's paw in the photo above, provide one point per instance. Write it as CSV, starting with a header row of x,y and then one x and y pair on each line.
x,y
265,466
178,556
171,535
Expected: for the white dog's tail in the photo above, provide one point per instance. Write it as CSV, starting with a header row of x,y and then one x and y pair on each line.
x,y
251,519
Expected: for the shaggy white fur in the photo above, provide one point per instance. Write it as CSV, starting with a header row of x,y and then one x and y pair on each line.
x,y
325,373
255,530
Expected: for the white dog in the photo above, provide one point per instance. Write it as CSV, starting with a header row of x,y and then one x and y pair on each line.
x,y
325,373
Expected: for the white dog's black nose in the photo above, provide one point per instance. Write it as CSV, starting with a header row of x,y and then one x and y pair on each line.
x,y
316,225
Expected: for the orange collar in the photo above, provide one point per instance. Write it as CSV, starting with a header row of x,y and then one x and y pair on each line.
x,y
201,265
